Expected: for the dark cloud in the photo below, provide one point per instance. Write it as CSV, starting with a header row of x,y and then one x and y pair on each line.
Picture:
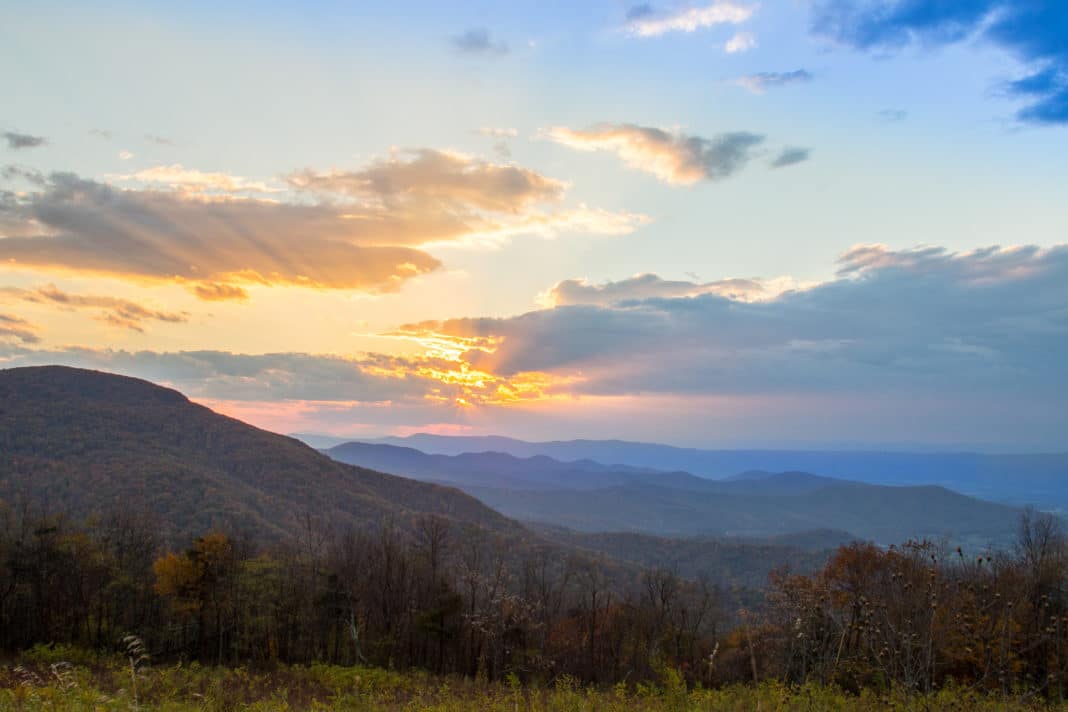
x,y
1034,31
924,320
791,156
18,141
477,40
161,140
673,157
762,81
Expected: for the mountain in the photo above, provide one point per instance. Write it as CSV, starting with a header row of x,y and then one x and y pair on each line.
x,y
887,515
80,442
589,497
495,469
1039,479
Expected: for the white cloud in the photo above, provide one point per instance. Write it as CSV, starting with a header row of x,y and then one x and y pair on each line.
x,y
690,19
740,42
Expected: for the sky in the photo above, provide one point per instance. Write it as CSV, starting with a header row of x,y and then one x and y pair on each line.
x,y
785,223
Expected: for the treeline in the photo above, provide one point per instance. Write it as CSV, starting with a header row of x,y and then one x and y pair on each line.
x,y
918,617
427,595
433,596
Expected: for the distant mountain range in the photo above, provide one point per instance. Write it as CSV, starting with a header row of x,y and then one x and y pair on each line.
x,y
592,497
1037,479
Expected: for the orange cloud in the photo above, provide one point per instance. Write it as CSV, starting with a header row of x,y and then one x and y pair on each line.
x,y
364,230
16,329
122,313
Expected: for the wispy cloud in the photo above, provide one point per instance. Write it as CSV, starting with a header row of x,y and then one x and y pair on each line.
x,y
740,42
178,177
650,286
498,132
672,156
692,19
790,156
123,313
762,81
18,141
477,41
12,328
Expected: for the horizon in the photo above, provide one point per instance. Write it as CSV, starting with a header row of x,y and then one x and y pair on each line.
x,y
858,448
720,224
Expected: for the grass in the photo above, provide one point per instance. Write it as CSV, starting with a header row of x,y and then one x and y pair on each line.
x,y
59,679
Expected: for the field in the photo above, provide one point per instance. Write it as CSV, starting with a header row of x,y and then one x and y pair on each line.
x,y
64,678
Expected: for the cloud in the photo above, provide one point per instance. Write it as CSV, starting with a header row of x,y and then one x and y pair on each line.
x,y
161,140
650,286
740,42
893,335
1033,31
762,81
91,227
438,176
215,292
250,377
636,12
671,156
922,321
178,177
12,328
893,115
497,132
101,133
477,41
18,141
790,156
122,313
361,230
649,24
125,155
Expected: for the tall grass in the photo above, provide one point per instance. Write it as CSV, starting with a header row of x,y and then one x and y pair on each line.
x,y
40,680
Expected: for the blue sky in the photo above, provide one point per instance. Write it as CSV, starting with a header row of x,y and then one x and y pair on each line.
x,y
568,144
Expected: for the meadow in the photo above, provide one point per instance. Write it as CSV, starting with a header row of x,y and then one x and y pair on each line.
x,y
58,678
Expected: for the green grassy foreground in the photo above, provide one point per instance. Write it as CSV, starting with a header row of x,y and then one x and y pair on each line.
x,y
71,679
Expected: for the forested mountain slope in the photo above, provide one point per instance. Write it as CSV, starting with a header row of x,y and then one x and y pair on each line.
x,y
78,442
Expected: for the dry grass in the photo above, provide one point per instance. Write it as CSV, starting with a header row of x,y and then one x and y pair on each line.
x,y
41,680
